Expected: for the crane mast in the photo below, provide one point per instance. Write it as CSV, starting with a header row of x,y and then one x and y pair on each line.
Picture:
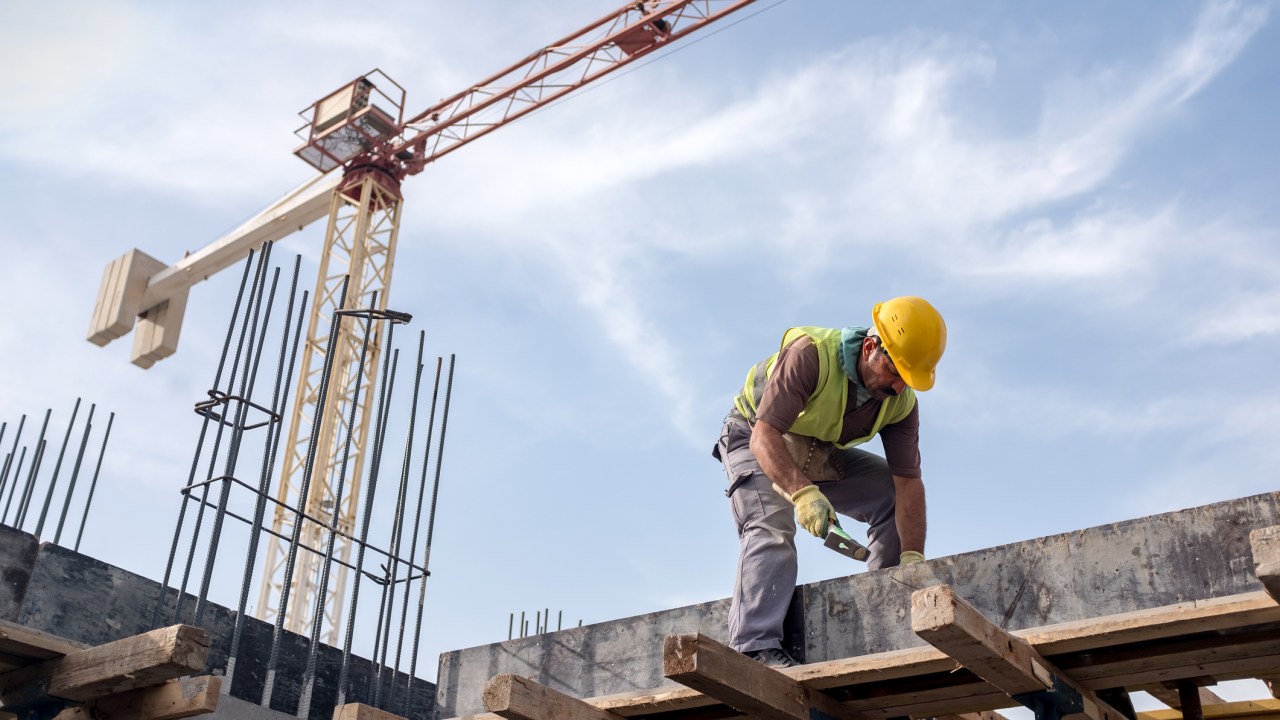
x,y
361,129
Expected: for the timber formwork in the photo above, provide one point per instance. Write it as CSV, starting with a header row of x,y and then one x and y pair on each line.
x,y
971,667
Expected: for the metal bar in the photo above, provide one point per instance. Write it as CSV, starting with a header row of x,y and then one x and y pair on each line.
x,y
322,591
18,471
94,485
273,661
279,395
375,466
259,277
75,473
247,382
431,524
8,465
388,579
417,522
57,467
31,474
204,429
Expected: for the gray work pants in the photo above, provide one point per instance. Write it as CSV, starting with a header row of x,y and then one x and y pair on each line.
x,y
767,527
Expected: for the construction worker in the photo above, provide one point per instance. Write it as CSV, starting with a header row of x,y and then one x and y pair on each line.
x,y
788,450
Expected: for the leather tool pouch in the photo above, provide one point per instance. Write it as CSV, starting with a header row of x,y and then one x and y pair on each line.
x,y
817,459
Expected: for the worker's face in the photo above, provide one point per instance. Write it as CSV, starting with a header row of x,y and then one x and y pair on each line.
x,y
879,375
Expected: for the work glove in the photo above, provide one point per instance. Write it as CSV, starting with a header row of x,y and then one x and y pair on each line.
x,y
910,557
813,510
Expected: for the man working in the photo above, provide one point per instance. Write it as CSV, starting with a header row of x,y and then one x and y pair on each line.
x,y
788,446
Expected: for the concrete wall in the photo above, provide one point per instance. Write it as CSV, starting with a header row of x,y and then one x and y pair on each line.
x,y
50,588
1158,560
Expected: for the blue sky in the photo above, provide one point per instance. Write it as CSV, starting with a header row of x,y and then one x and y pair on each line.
x,y
1085,190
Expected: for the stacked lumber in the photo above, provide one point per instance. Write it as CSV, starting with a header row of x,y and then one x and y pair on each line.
x,y
144,677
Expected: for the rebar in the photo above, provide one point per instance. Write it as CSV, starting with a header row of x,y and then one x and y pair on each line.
x,y
75,473
322,591
31,474
94,485
431,524
204,429
57,467
322,394
375,466
279,397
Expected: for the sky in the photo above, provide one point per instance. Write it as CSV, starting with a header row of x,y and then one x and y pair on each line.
x,y
1086,191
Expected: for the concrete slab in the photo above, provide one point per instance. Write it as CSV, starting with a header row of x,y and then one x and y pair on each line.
x,y
1190,554
17,558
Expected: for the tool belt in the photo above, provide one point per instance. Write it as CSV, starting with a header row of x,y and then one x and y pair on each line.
x,y
817,459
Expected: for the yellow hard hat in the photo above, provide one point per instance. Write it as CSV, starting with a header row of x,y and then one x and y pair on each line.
x,y
914,335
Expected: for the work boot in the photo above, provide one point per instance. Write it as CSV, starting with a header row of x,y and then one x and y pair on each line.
x,y
772,657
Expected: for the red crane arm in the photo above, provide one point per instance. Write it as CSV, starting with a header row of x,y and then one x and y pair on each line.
x,y
618,38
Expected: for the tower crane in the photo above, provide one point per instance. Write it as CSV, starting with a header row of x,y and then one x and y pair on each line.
x,y
361,130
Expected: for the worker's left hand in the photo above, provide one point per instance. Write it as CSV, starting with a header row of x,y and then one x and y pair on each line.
x,y
910,557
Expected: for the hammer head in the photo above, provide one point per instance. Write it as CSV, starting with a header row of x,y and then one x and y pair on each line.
x,y
839,540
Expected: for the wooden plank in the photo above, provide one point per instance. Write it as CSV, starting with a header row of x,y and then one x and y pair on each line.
x,y
360,711
1266,558
1253,709
20,641
1169,696
180,698
697,661
984,715
518,698
133,662
946,621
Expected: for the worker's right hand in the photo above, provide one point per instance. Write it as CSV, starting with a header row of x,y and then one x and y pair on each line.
x,y
813,510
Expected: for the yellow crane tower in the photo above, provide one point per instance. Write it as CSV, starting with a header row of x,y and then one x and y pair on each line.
x,y
361,129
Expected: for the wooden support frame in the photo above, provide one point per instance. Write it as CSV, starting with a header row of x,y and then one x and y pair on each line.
x,y
519,698
697,661
133,662
1266,558
946,621
170,700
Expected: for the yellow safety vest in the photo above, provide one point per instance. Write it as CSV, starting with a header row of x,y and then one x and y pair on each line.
x,y
824,411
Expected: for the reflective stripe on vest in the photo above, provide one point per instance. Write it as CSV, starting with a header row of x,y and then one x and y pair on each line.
x,y
824,411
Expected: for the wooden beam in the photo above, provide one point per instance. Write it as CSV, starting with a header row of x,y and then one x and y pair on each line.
x,y
946,621
133,662
697,661
360,711
1169,696
1252,709
180,698
519,698
984,715
1266,558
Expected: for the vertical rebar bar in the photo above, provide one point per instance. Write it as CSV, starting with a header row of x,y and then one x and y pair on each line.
x,y
75,473
375,466
204,430
431,524
322,392
33,474
417,522
94,485
35,467
8,465
57,467
322,590
247,382
279,398
250,314
16,473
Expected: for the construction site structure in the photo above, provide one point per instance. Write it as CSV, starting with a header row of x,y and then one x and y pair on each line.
x,y
1064,625
361,129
